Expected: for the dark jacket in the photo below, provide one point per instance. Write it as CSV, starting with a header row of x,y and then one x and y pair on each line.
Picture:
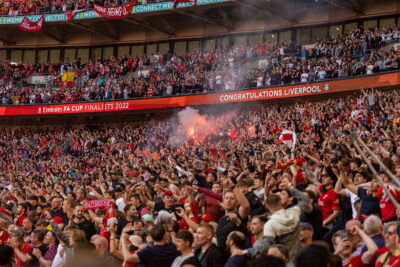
x,y
211,258
257,207
87,227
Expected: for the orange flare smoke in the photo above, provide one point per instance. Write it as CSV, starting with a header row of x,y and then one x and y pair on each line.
x,y
191,131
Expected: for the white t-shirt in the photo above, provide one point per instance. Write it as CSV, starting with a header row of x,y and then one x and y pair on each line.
x,y
58,260
353,199
304,77
259,81
120,204
179,260
259,193
218,79
369,69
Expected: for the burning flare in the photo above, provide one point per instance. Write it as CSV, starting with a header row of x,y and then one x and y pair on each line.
x,y
191,131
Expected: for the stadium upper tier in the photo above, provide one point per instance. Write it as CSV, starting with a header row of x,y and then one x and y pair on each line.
x,y
236,68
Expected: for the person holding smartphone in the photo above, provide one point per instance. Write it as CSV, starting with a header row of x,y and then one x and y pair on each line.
x,y
342,244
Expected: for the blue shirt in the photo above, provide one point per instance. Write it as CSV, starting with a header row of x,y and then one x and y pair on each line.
x,y
379,241
369,204
159,256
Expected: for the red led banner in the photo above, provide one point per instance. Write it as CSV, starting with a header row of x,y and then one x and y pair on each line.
x,y
337,86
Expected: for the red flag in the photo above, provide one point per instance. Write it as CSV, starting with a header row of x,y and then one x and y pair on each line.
x,y
6,215
288,138
66,84
71,14
193,2
28,26
214,154
222,154
115,12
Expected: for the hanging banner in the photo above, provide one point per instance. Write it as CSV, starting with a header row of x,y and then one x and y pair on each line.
x,y
29,26
115,12
71,14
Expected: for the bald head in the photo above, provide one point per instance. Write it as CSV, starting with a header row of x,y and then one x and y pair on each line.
x,y
94,237
373,225
352,223
100,243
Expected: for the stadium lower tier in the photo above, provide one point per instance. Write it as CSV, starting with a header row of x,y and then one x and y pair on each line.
x,y
264,184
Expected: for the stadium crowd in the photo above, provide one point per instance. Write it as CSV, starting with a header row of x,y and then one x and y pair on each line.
x,y
140,195
35,7
354,54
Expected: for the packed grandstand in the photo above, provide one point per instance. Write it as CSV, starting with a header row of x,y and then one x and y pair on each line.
x,y
353,54
284,151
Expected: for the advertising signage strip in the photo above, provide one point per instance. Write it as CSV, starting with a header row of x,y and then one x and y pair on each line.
x,y
169,5
92,14
383,80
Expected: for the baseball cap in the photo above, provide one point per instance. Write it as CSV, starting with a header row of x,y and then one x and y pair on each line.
x,y
135,240
306,226
207,217
147,218
168,193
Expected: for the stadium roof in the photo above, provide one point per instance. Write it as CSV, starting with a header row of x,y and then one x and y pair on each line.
x,y
160,21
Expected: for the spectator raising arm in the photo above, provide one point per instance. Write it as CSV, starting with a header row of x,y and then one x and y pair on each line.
x,y
372,248
244,208
150,204
128,257
347,183
338,188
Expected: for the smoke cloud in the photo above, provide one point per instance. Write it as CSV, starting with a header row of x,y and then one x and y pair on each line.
x,y
196,127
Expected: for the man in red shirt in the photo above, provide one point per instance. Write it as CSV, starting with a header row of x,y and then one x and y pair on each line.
x,y
388,210
211,199
22,214
186,197
20,247
389,255
342,244
329,201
